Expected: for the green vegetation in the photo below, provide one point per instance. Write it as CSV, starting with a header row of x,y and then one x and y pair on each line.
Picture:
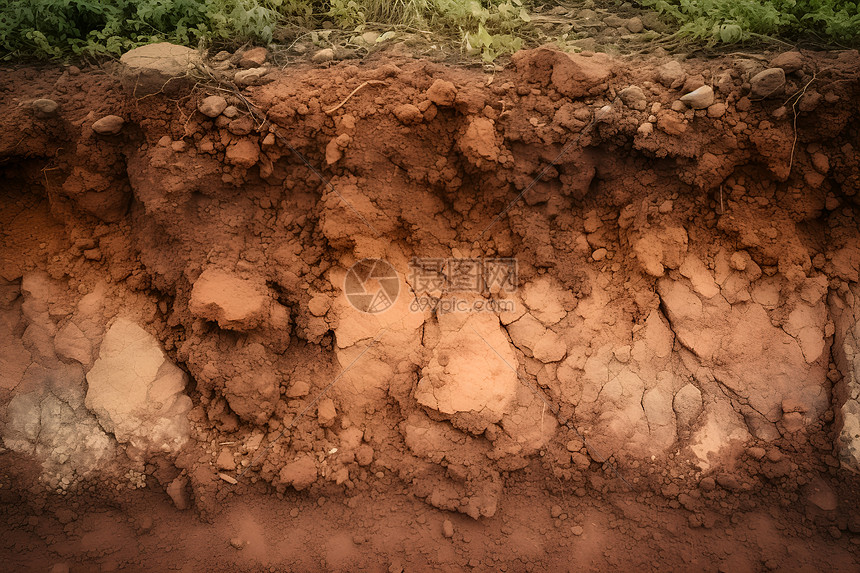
x,y
486,28
732,21
57,28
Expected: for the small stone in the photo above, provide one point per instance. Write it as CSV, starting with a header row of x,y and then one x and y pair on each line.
x,y
634,98
244,153
821,163
145,523
599,254
253,58
369,38
44,108
447,529
237,543
635,25
788,61
109,125
555,511
699,98
326,412
577,530
809,101
319,305
364,455
93,254
298,389
322,56
212,106
767,83
717,110
225,460
229,479
230,112
645,129
408,113
671,74
250,77
299,473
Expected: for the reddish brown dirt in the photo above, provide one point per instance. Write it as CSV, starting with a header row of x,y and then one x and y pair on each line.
x,y
219,241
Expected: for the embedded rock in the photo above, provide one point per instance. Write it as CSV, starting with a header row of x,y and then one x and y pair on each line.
x,y
300,473
154,68
212,106
136,392
469,376
234,303
767,83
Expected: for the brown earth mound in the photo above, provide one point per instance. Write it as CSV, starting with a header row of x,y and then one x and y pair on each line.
x,y
606,310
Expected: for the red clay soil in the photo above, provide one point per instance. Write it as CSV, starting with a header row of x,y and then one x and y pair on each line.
x,y
670,386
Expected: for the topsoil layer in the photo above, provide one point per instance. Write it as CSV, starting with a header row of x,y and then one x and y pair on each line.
x,y
667,382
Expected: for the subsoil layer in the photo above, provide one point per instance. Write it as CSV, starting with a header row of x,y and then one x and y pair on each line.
x,y
670,381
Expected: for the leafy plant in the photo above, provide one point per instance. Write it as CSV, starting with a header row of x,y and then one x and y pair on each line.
x,y
733,21
55,28
52,28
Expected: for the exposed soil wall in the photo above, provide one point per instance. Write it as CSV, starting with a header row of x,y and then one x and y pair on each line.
x,y
676,360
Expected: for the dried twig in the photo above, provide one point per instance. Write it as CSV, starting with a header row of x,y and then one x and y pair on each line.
x,y
355,91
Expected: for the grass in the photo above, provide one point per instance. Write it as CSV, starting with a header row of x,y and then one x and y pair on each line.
x,y
733,21
56,29
52,29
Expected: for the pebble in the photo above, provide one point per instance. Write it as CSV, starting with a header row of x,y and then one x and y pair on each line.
x,y
324,55
43,107
699,98
671,74
788,61
236,543
645,130
767,83
109,125
555,511
212,106
635,25
600,254
253,58
717,110
577,530
249,77
448,529
634,98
